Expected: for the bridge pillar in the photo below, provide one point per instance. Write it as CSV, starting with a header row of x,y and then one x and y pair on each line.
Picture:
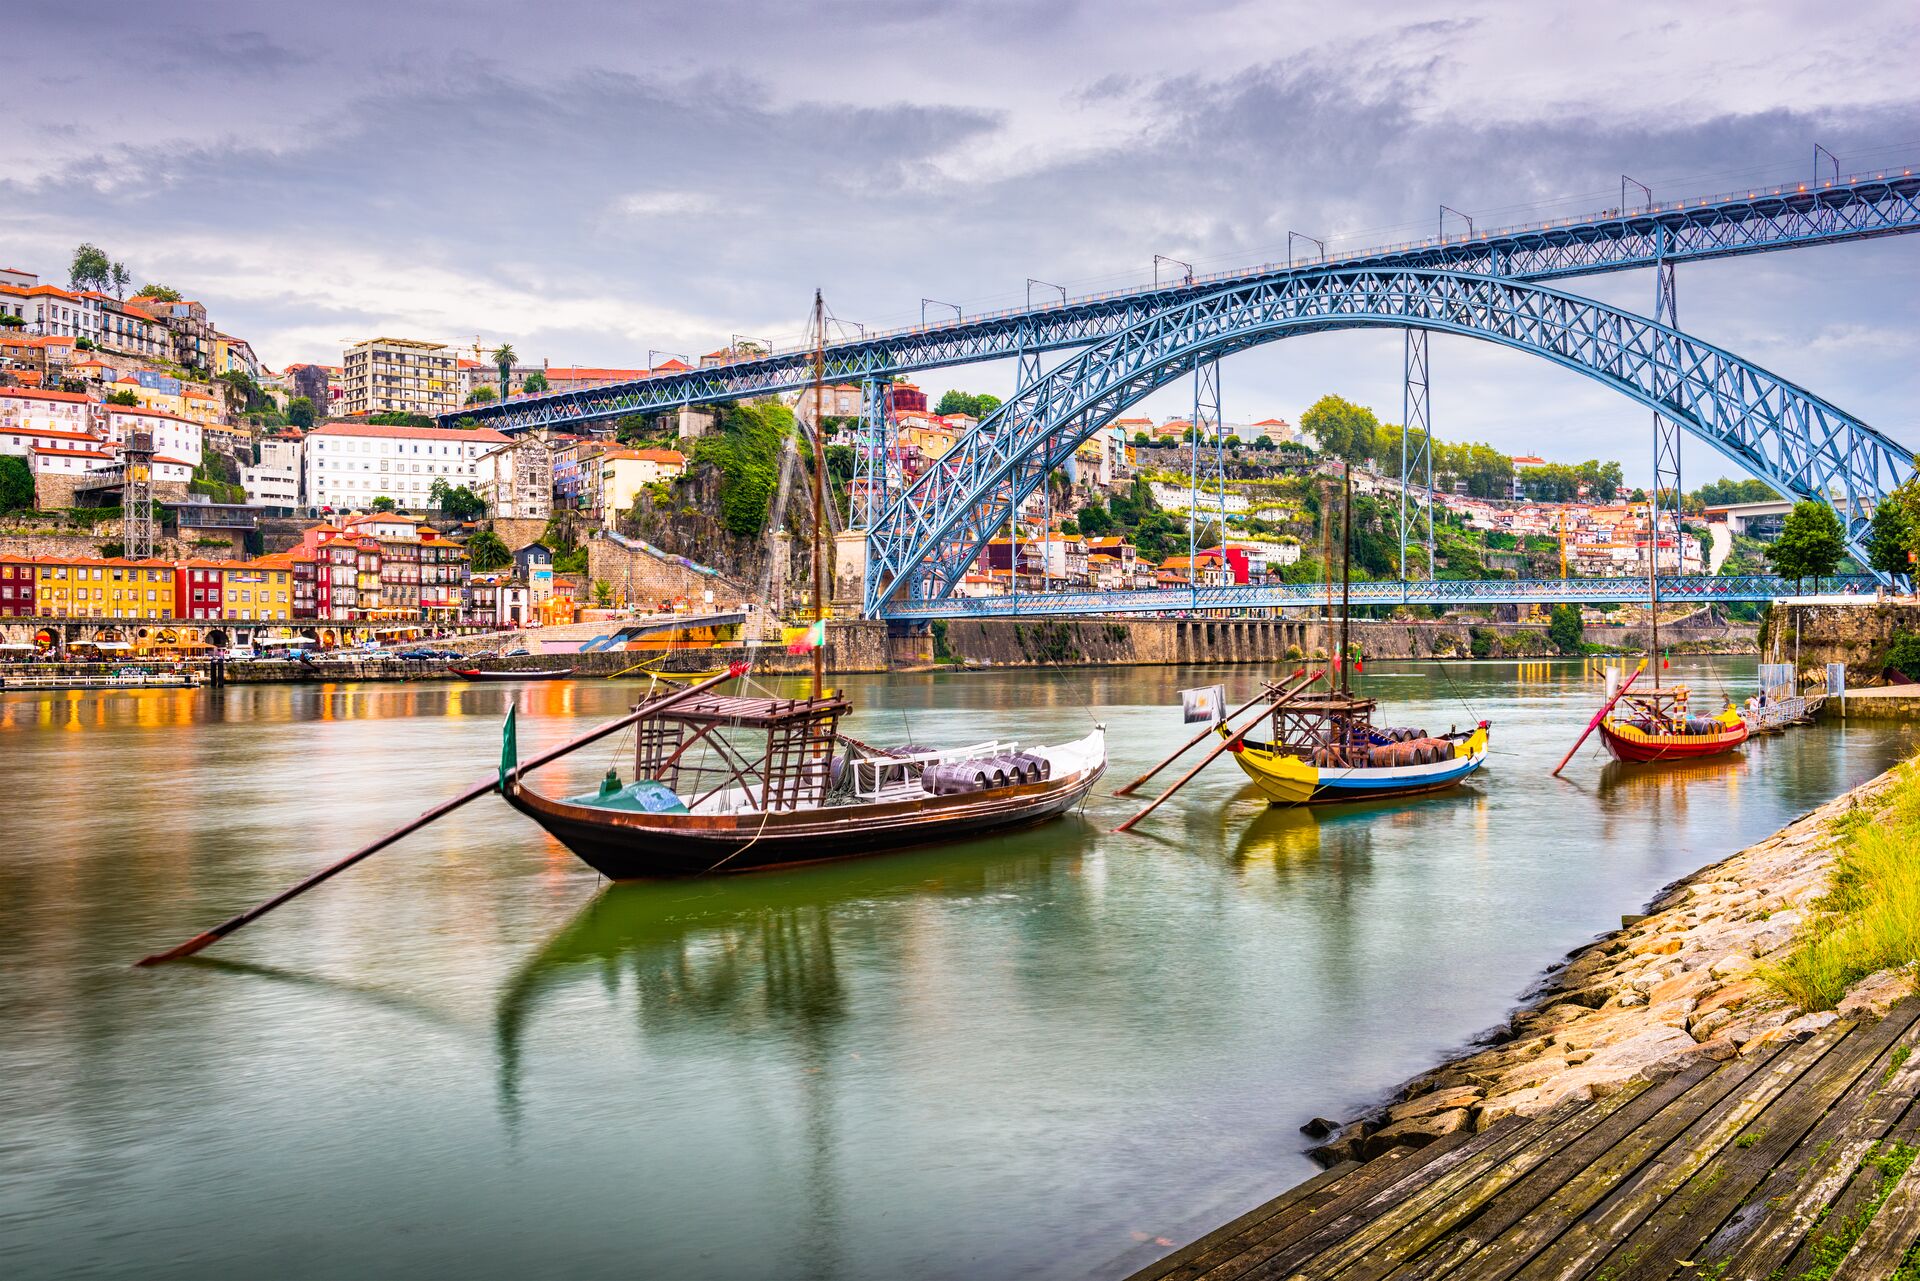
x,y
1416,451
1666,435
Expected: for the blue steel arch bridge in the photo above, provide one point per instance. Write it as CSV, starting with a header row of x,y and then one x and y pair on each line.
x,y
1491,285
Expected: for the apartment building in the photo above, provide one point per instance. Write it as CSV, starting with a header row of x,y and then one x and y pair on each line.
x,y
186,323
383,375
516,479
346,465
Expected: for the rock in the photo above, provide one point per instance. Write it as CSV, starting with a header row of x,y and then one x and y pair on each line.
x,y
1415,1132
1627,1000
1319,1127
1877,993
1680,986
1345,1146
1654,1052
1803,1028
1460,1096
1531,1102
1534,1072
1703,1026
1731,965
1730,996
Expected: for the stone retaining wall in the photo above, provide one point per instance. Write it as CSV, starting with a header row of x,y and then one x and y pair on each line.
x,y
1676,986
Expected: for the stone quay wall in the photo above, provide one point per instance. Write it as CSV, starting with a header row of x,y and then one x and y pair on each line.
x,y
1857,635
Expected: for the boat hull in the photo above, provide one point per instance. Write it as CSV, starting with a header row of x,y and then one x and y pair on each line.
x,y
626,846
482,674
1628,744
1285,779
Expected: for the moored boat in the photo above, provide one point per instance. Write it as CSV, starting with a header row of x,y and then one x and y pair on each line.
x,y
507,674
1325,749
1656,726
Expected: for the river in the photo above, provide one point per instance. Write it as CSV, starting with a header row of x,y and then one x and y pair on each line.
x,y
1035,1056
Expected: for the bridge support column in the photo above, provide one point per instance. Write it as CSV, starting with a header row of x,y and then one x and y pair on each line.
x,y
1667,492
1416,452
1206,428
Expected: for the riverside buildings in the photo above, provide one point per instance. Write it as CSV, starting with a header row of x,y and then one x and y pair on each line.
x,y
346,465
384,375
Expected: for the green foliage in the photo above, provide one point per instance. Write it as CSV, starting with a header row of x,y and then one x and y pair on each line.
x,y
535,384
1811,543
745,448
91,268
16,484
503,357
839,463
486,552
481,395
1482,641
974,404
123,398
1720,492
113,548
1904,654
300,412
85,344
1070,527
1561,483
1094,520
165,293
382,503
1564,630
602,593
1894,538
1141,440
457,501
399,418
1342,428
11,321
1869,919
253,397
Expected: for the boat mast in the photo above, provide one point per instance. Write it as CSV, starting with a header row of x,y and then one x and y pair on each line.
x,y
819,484
1346,573
1653,575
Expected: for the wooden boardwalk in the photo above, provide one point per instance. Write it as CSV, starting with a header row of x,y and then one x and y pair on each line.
x,y
1791,1162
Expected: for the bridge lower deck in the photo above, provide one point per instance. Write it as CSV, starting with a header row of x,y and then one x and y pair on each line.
x,y
1791,1162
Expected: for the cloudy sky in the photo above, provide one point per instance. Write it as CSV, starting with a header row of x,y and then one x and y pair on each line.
x,y
595,182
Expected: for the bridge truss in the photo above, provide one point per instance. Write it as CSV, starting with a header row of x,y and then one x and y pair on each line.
x,y
1796,442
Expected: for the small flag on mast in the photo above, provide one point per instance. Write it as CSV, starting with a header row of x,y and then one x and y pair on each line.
x,y
509,747
811,639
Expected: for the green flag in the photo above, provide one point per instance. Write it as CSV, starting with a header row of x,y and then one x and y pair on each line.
x,y
509,749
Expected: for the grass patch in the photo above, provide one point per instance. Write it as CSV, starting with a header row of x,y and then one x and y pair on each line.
x,y
1869,918
1901,1053
1890,1162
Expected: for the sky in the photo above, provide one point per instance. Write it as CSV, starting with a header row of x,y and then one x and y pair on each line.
x,y
606,183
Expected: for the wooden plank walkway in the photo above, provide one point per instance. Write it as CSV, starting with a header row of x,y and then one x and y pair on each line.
x,y
1797,1161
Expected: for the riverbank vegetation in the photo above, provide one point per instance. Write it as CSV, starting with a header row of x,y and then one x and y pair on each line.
x,y
1869,918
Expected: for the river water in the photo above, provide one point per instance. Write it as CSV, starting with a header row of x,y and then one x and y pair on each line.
x,y
1043,1055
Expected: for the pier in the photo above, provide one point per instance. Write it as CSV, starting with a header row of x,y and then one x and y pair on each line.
x,y
1790,1160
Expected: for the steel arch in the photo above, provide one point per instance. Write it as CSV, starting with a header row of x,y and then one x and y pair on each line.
x,y
1798,443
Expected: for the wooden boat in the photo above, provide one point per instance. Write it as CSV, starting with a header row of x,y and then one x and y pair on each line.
x,y
1655,726
1325,748
504,674
730,783
779,784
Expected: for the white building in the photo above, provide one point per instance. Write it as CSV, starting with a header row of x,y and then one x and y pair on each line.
x,y
516,480
172,434
274,481
346,466
28,410
49,309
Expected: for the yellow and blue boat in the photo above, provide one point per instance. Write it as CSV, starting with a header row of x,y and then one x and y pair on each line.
x,y
1325,749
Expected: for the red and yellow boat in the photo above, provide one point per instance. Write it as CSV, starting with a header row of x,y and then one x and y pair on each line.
x,y
1656,726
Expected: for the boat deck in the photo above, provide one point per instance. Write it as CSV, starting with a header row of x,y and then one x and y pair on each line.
x,y
1792,1161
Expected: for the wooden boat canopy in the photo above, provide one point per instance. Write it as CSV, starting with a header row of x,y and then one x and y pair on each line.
x,y
752,713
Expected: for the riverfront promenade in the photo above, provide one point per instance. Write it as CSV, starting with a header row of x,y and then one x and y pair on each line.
x,y
1658,1111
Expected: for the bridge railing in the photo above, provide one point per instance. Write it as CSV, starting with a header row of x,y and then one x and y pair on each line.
x,y
1240,598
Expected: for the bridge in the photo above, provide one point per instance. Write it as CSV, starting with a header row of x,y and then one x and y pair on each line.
x,y
1488,285
1242,599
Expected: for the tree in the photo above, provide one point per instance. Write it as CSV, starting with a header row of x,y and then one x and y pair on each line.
x,y
630,430
1342,428
165,293
123,398
480,395
535,384
1264,444
121,278
91,268
382,503
1141,440
602,593
1565,631
10,321
1811,543
1095,520
1890,536
16,484
503,358
1070,527
486,552
456,501
399,418
300,412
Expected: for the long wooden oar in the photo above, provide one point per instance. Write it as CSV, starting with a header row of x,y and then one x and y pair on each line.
x,y
1266,691
446,807
1599,716
1287,694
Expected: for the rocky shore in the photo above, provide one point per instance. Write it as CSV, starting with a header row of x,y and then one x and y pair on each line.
x,y
1672,987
